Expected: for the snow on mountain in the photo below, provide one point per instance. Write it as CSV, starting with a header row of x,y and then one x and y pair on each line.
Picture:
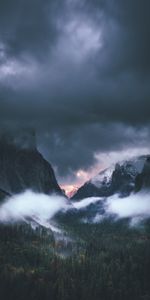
x,y
103,178
132,167
118,178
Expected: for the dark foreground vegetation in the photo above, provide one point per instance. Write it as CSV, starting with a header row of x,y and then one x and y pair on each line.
x,y
106,261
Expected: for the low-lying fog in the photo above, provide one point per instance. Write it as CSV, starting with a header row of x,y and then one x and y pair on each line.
x,y
43,208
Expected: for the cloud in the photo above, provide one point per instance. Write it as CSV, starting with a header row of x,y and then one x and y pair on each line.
x,y
42,208
85,202
136,205
77,71
38,207
27,27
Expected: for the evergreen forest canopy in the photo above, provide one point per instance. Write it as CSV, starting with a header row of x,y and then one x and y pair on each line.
x,y
109,260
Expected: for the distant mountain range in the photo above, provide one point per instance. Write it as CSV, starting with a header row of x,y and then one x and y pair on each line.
x,y
122,178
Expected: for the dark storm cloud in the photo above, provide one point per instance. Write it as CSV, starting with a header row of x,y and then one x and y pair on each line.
x,y
79,72
127,28
28,27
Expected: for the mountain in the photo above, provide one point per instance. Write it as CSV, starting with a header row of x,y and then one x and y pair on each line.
x,y
23,167
143,179
3,194
119,178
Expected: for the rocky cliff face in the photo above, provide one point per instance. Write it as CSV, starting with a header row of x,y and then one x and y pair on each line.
x,y
143,179
23,167
3,194
120,178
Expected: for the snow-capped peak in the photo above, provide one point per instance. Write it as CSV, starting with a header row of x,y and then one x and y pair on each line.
x,y
132,167
103,178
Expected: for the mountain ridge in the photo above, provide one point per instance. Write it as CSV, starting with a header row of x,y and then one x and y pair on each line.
x,y
118,178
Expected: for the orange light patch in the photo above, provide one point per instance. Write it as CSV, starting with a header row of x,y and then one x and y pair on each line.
x,y
69,189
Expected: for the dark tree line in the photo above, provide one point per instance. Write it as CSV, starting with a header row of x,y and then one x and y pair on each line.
x,y
108,261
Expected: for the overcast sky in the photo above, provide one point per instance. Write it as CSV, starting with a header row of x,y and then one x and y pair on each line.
x,y
78,71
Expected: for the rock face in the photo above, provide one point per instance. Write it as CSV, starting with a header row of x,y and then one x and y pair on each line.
x,y
23,167
3,194
120,178
143,179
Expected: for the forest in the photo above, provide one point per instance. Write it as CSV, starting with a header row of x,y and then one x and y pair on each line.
x,y
107,261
